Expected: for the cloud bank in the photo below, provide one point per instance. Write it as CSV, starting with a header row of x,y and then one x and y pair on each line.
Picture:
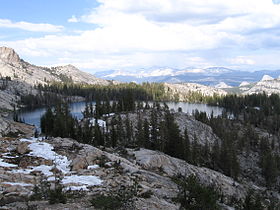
x,y
175,33
35,27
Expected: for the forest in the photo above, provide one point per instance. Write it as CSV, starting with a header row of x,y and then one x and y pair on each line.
x,y
130,122
54,93
156,129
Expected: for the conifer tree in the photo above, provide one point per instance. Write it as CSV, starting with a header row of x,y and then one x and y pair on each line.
x,y
140,138
187,146
146,131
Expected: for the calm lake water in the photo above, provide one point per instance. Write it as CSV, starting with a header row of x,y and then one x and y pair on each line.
x,y
32,116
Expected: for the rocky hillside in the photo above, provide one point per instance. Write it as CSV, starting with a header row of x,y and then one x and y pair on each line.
x,y
268,85
87,172
146,179
10,92
17,69
183,91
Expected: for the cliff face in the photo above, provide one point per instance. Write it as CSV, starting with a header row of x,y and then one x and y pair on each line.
x,y
8,55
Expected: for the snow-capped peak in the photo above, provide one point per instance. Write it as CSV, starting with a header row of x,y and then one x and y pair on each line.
x,y
266,78
222,85
242,84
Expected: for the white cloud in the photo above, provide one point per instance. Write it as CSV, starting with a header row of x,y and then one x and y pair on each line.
x,y
141,33
35,27
242,60
73,19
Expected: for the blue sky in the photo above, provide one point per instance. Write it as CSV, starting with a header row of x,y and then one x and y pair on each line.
x,y
134,34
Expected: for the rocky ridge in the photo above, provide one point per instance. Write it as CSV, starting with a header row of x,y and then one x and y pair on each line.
x,y
184,89
267,85
17,69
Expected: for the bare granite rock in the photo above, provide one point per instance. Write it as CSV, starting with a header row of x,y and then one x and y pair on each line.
x,y
9,55
17,69
79,165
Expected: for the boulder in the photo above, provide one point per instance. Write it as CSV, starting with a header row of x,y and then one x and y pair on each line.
x,y
23,148
79,163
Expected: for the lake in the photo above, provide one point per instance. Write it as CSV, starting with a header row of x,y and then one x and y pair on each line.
x,y
32,116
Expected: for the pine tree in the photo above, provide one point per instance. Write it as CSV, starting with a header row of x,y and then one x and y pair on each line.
x,y
140,138
195,151
146,131
174,144
128,130
113,136
98,137
215,156
187,146
154,129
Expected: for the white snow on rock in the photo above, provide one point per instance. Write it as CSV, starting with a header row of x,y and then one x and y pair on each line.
x,y
101,123
18,184
77,188
222,85
4,164
93,167
42,149
108,115
84,180
45,150
242,84
267,78
46,170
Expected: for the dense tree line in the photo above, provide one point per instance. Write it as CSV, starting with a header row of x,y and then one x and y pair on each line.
x,y
53,93
260,110
239,138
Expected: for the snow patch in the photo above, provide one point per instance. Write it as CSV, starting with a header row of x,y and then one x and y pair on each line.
x,y
83,180
108,115
77,188
242,84
4,164
101,123
222,85
267,78
93,167
44,150
18,184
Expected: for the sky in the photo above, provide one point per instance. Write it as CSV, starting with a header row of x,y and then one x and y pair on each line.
x,y
99,35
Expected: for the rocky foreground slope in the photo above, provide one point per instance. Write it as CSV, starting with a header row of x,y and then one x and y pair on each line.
x,y
87,171
90,171
13,66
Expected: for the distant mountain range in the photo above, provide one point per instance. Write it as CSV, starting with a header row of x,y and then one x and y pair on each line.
x,y
207,76
207,81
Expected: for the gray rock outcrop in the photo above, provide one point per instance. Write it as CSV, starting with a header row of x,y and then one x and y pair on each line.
x,y
17,69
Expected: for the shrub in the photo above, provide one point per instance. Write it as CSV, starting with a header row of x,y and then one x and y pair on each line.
x,y
43,191
122,198
193,195
106,202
